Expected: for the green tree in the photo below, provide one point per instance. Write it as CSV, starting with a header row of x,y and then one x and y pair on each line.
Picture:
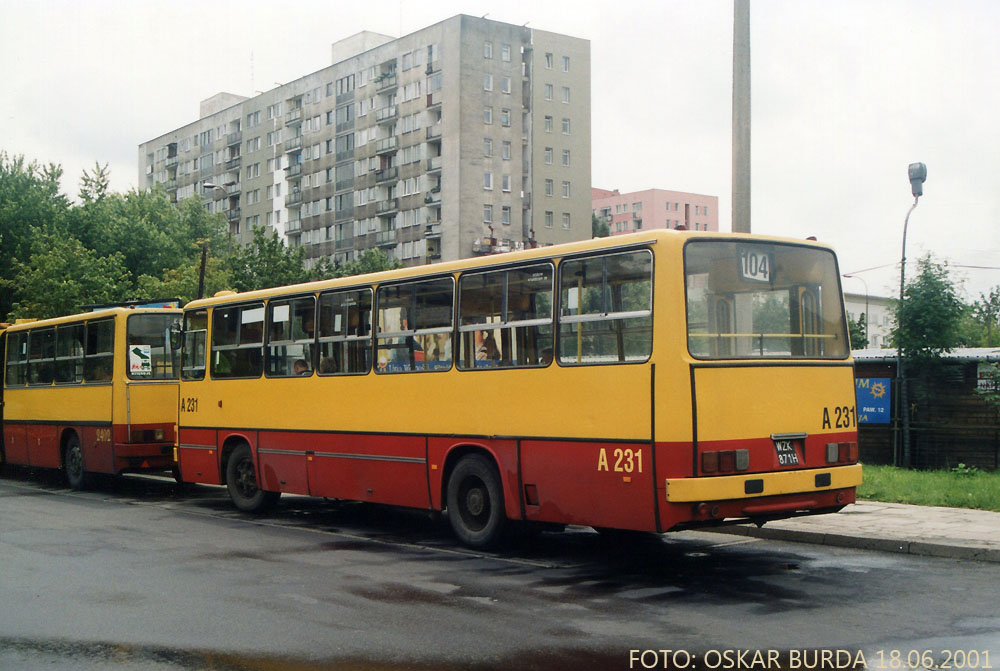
x,y
61,275
928,322
599,228
986,311
266,262
30,202
858,332
370,261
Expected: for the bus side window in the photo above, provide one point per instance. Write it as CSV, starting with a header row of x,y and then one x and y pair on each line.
x,y
606,309
193,345
69,353
17,359
41,355
345,332
98,363
290,337
238,341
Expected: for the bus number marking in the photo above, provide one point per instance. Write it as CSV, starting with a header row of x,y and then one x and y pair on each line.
x,y
625,460
189,404
102,435
844,417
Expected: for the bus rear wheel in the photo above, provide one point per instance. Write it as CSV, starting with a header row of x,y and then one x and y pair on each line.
x,y
241,481
475,502
76,475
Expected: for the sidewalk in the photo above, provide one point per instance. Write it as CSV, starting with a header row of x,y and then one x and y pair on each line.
x,y
958,533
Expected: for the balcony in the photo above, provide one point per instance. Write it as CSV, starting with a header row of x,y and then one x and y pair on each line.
x,y
233,189
386,174
294,170
294,198
170,185
385,145
433,132
233,213
433,196
386,238
385,82
434,164
233,163
433,99
386,114
171,161
234,138
432,229
293,226
293,144
387,206
293,117
345,243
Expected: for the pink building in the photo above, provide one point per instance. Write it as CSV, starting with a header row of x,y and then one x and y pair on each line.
x,y
655,208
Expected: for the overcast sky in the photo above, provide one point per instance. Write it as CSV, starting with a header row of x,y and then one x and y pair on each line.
x,y
845,95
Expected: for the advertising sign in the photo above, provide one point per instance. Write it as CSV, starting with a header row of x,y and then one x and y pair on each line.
x,y
873,399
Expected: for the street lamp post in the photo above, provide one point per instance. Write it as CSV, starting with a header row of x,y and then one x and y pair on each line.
x,y
918,174
204,243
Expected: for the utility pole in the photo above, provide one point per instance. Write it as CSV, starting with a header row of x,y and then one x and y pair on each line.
x,y
741,116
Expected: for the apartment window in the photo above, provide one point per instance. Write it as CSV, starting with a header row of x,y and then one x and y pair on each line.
x,y
487,214
565,220
549,187
565,125
487,147
505,215
505,53
565,158
487,50
565,94
548,155
548,61
548,91
548,124
505,183
704,211
488,115
488,180
565,189
505,118
487,82
565,63
505,85
548,219
505,150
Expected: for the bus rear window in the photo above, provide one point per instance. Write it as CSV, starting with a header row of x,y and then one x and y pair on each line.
x,y
748,299
150,355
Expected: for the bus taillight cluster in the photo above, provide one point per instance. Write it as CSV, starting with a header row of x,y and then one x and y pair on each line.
x,y
725,461
842,453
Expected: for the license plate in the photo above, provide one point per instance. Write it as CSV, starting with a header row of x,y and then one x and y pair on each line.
x,y
787,456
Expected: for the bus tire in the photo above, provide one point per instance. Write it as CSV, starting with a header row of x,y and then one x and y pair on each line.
x,y
76,474
241,481
475,502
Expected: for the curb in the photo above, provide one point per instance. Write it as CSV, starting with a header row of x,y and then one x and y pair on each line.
x,y
920,548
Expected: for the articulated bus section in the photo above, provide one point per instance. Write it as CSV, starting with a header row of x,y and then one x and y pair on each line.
x,y
650,382
91,393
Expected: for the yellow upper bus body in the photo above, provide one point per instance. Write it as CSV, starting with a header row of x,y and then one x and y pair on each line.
x,y
648,382
105,378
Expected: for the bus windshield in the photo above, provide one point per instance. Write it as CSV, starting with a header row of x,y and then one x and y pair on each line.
x,y
150,356
750,299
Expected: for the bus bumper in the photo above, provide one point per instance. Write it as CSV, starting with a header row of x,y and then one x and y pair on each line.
x,y
755,485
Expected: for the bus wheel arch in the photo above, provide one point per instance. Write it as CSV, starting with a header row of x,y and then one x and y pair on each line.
x,y
72,460
474,497
242,479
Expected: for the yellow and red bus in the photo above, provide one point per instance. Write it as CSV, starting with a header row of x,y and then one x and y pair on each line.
x,y
92,393
649,382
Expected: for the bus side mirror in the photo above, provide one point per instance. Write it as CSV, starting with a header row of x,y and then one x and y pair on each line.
x,y
175,336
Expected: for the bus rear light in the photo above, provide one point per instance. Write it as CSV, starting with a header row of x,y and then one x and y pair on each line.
x,y
841,452
725,461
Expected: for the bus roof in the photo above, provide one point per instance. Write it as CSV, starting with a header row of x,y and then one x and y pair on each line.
x,y
86,316
661,236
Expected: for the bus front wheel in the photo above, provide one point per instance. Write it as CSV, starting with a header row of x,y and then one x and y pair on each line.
x,y
475,502
76,475
241,481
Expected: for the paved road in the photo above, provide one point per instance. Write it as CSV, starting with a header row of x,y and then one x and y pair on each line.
x,y
140,575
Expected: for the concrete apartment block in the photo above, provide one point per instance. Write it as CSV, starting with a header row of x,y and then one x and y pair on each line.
x,y
464,138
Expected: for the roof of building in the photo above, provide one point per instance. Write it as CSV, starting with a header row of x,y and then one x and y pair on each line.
x,y
958,354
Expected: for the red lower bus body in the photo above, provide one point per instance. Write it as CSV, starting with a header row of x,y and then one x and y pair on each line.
x,y
107,448
612,484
